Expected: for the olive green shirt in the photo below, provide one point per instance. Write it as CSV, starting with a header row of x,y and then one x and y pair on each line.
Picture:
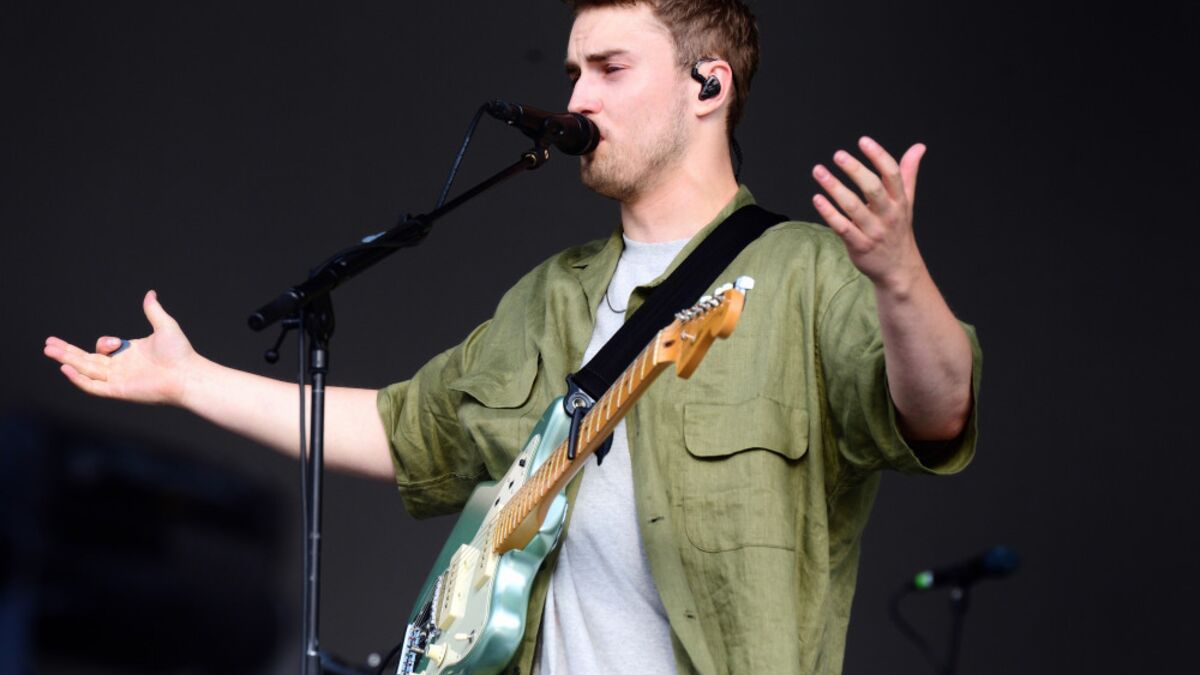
x,y
753,479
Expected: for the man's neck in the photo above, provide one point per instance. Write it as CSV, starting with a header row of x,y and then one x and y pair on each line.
x,y
680,206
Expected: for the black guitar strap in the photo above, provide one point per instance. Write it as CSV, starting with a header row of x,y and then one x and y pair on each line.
x,y
686,284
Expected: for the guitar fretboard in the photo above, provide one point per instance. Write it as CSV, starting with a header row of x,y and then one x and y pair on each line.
x,y
596,426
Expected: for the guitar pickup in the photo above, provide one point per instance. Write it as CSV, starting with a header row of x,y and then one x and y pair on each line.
x,y
485,569
458,588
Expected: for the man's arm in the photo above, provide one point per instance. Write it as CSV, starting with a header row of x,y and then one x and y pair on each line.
x,y
163,368
926,351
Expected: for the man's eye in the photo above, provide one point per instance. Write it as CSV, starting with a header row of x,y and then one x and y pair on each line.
x,y
608,70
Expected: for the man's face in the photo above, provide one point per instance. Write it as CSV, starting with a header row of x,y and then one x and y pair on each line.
x,y
622,62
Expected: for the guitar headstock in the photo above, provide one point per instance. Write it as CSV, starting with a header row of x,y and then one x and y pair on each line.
x,y
687,339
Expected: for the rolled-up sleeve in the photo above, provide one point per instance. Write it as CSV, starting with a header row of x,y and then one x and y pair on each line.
x,y
435,461
865,418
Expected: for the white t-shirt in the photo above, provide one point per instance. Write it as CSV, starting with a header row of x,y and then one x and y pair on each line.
x,y
603,613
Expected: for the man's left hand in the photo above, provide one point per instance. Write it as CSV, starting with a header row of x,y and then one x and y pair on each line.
x,y
877,227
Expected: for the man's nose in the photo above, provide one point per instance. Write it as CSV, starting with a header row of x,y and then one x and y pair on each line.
x,y
583,98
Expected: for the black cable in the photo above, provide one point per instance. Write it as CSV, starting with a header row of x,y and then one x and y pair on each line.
x,y
462,151
388,659
368,241
303,486
910,632
737,155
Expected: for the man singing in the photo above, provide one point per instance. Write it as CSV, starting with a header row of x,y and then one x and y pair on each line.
x,y
721,534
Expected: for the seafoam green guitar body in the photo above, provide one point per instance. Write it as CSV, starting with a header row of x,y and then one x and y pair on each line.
x,y
491,592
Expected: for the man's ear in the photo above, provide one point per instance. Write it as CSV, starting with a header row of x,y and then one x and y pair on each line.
x,y
715,78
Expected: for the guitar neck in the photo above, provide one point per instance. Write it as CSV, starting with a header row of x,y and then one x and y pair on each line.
x,y
596,426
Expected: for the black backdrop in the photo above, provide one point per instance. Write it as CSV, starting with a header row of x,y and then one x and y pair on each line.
x,y
214,151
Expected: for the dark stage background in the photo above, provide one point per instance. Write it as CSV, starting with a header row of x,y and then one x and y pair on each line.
x,y
215,151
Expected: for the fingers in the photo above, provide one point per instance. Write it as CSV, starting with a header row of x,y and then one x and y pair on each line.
x,y
843,196
893,188
155,314
889,171
854,237
94,366
89,372
87,384
872,188
107,345
56,348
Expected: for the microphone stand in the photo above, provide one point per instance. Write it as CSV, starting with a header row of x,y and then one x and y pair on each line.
x,y
309,306
960,602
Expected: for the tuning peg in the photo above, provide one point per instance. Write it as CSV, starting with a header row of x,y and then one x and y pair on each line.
x,y
722,289
744,283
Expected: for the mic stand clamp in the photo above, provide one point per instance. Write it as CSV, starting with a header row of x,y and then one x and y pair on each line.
x,y
271,356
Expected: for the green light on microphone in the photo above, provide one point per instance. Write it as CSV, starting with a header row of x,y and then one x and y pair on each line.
x,y
923,581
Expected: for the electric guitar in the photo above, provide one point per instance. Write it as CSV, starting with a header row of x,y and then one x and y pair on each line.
x,y
471,614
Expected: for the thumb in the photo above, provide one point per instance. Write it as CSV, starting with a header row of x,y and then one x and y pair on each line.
x,y
158,317
909,164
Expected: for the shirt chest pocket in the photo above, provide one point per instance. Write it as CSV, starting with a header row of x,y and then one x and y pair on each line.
x,y
739,479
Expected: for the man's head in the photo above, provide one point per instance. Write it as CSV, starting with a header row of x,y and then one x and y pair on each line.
x,y
631,64
704,29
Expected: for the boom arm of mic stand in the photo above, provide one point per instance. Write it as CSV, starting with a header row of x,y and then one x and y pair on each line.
x,y
354,261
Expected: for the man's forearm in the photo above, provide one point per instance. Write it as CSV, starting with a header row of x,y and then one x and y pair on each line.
x,y
265,411
928,360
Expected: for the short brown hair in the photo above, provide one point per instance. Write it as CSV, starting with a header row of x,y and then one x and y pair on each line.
x,y
722,29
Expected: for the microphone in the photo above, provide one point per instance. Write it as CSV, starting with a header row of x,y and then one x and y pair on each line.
x,y
571,133
996,562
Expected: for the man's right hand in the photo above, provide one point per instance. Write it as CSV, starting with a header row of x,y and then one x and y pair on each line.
x,y
163,368
152,370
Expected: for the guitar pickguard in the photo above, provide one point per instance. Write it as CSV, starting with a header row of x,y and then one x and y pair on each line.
x,y
472,616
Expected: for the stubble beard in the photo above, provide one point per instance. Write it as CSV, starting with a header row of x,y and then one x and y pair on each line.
x,y
639,168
